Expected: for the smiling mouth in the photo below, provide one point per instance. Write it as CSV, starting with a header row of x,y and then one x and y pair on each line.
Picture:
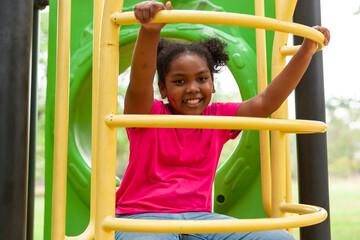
x,y
192,101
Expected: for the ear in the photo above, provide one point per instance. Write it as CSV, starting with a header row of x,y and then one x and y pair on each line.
x,y
213,86
162,89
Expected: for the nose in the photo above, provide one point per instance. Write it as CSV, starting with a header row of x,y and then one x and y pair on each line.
x,y
192,87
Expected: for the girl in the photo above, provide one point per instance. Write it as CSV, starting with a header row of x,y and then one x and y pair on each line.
x,y
171,171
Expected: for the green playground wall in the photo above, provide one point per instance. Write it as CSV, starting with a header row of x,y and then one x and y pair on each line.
x,y
237,189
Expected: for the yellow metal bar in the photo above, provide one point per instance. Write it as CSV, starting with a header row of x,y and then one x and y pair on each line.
x,y
98,8
284,12
106,136
88,234
313,216
216,122
61,121
223,18
289,51
277,173
285,9
264,135
299,208
288,177
288,170
261,49
265,171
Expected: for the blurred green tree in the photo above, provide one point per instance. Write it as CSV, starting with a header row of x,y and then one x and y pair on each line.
x,y
343,135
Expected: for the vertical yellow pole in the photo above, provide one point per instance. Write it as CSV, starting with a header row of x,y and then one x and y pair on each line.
x,y
61,121
106,136
264,135
98,5
278,173
90,230
284,11
288,171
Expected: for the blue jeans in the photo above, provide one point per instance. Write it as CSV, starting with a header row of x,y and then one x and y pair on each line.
x,y
261,235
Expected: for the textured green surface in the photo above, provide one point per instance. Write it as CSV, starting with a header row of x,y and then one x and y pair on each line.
x,y
237,183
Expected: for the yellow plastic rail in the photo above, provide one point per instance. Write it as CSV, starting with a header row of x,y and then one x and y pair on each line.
x,y
88,234
186,121
312,216
224,18
280,147
263,134
61,121
107,103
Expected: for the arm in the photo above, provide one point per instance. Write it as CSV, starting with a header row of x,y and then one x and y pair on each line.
x,y
265,103
139,96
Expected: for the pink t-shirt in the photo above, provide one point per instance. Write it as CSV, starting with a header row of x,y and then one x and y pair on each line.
x,y
171,170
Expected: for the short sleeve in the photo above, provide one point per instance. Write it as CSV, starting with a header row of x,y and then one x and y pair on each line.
x,y
224,109
158,108
231,110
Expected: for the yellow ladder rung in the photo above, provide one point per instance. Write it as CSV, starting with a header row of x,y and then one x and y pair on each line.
x,y
215,122
289,51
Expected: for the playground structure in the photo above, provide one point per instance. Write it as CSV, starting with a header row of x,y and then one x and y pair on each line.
x,y
79,207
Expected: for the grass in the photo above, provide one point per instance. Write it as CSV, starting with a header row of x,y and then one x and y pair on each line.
x,y
39,218
344,210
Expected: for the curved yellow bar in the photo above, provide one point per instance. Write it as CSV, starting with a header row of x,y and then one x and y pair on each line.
x,y
314,215
88,234
215,122
299,208
223,18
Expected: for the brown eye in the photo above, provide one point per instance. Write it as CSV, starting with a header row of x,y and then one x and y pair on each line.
x,y
179,81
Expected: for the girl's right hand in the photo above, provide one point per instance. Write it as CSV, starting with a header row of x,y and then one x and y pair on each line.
x,y
145,12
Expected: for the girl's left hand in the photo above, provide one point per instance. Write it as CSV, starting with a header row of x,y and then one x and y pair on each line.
x,y
311,45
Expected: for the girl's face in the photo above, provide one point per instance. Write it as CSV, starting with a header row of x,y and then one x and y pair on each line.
x,y
188,85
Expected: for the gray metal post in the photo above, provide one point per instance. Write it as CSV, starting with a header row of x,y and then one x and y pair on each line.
x,y
312,149
38,4
15,51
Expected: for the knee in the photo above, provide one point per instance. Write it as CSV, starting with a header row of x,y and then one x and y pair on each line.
x,y
280,235
273,235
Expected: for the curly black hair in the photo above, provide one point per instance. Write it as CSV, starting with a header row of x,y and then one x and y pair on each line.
x,y
212,50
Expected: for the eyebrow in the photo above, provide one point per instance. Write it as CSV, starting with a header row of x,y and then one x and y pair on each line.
x,y
183,74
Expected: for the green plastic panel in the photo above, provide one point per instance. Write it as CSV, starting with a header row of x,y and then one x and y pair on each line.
x,y
237,190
